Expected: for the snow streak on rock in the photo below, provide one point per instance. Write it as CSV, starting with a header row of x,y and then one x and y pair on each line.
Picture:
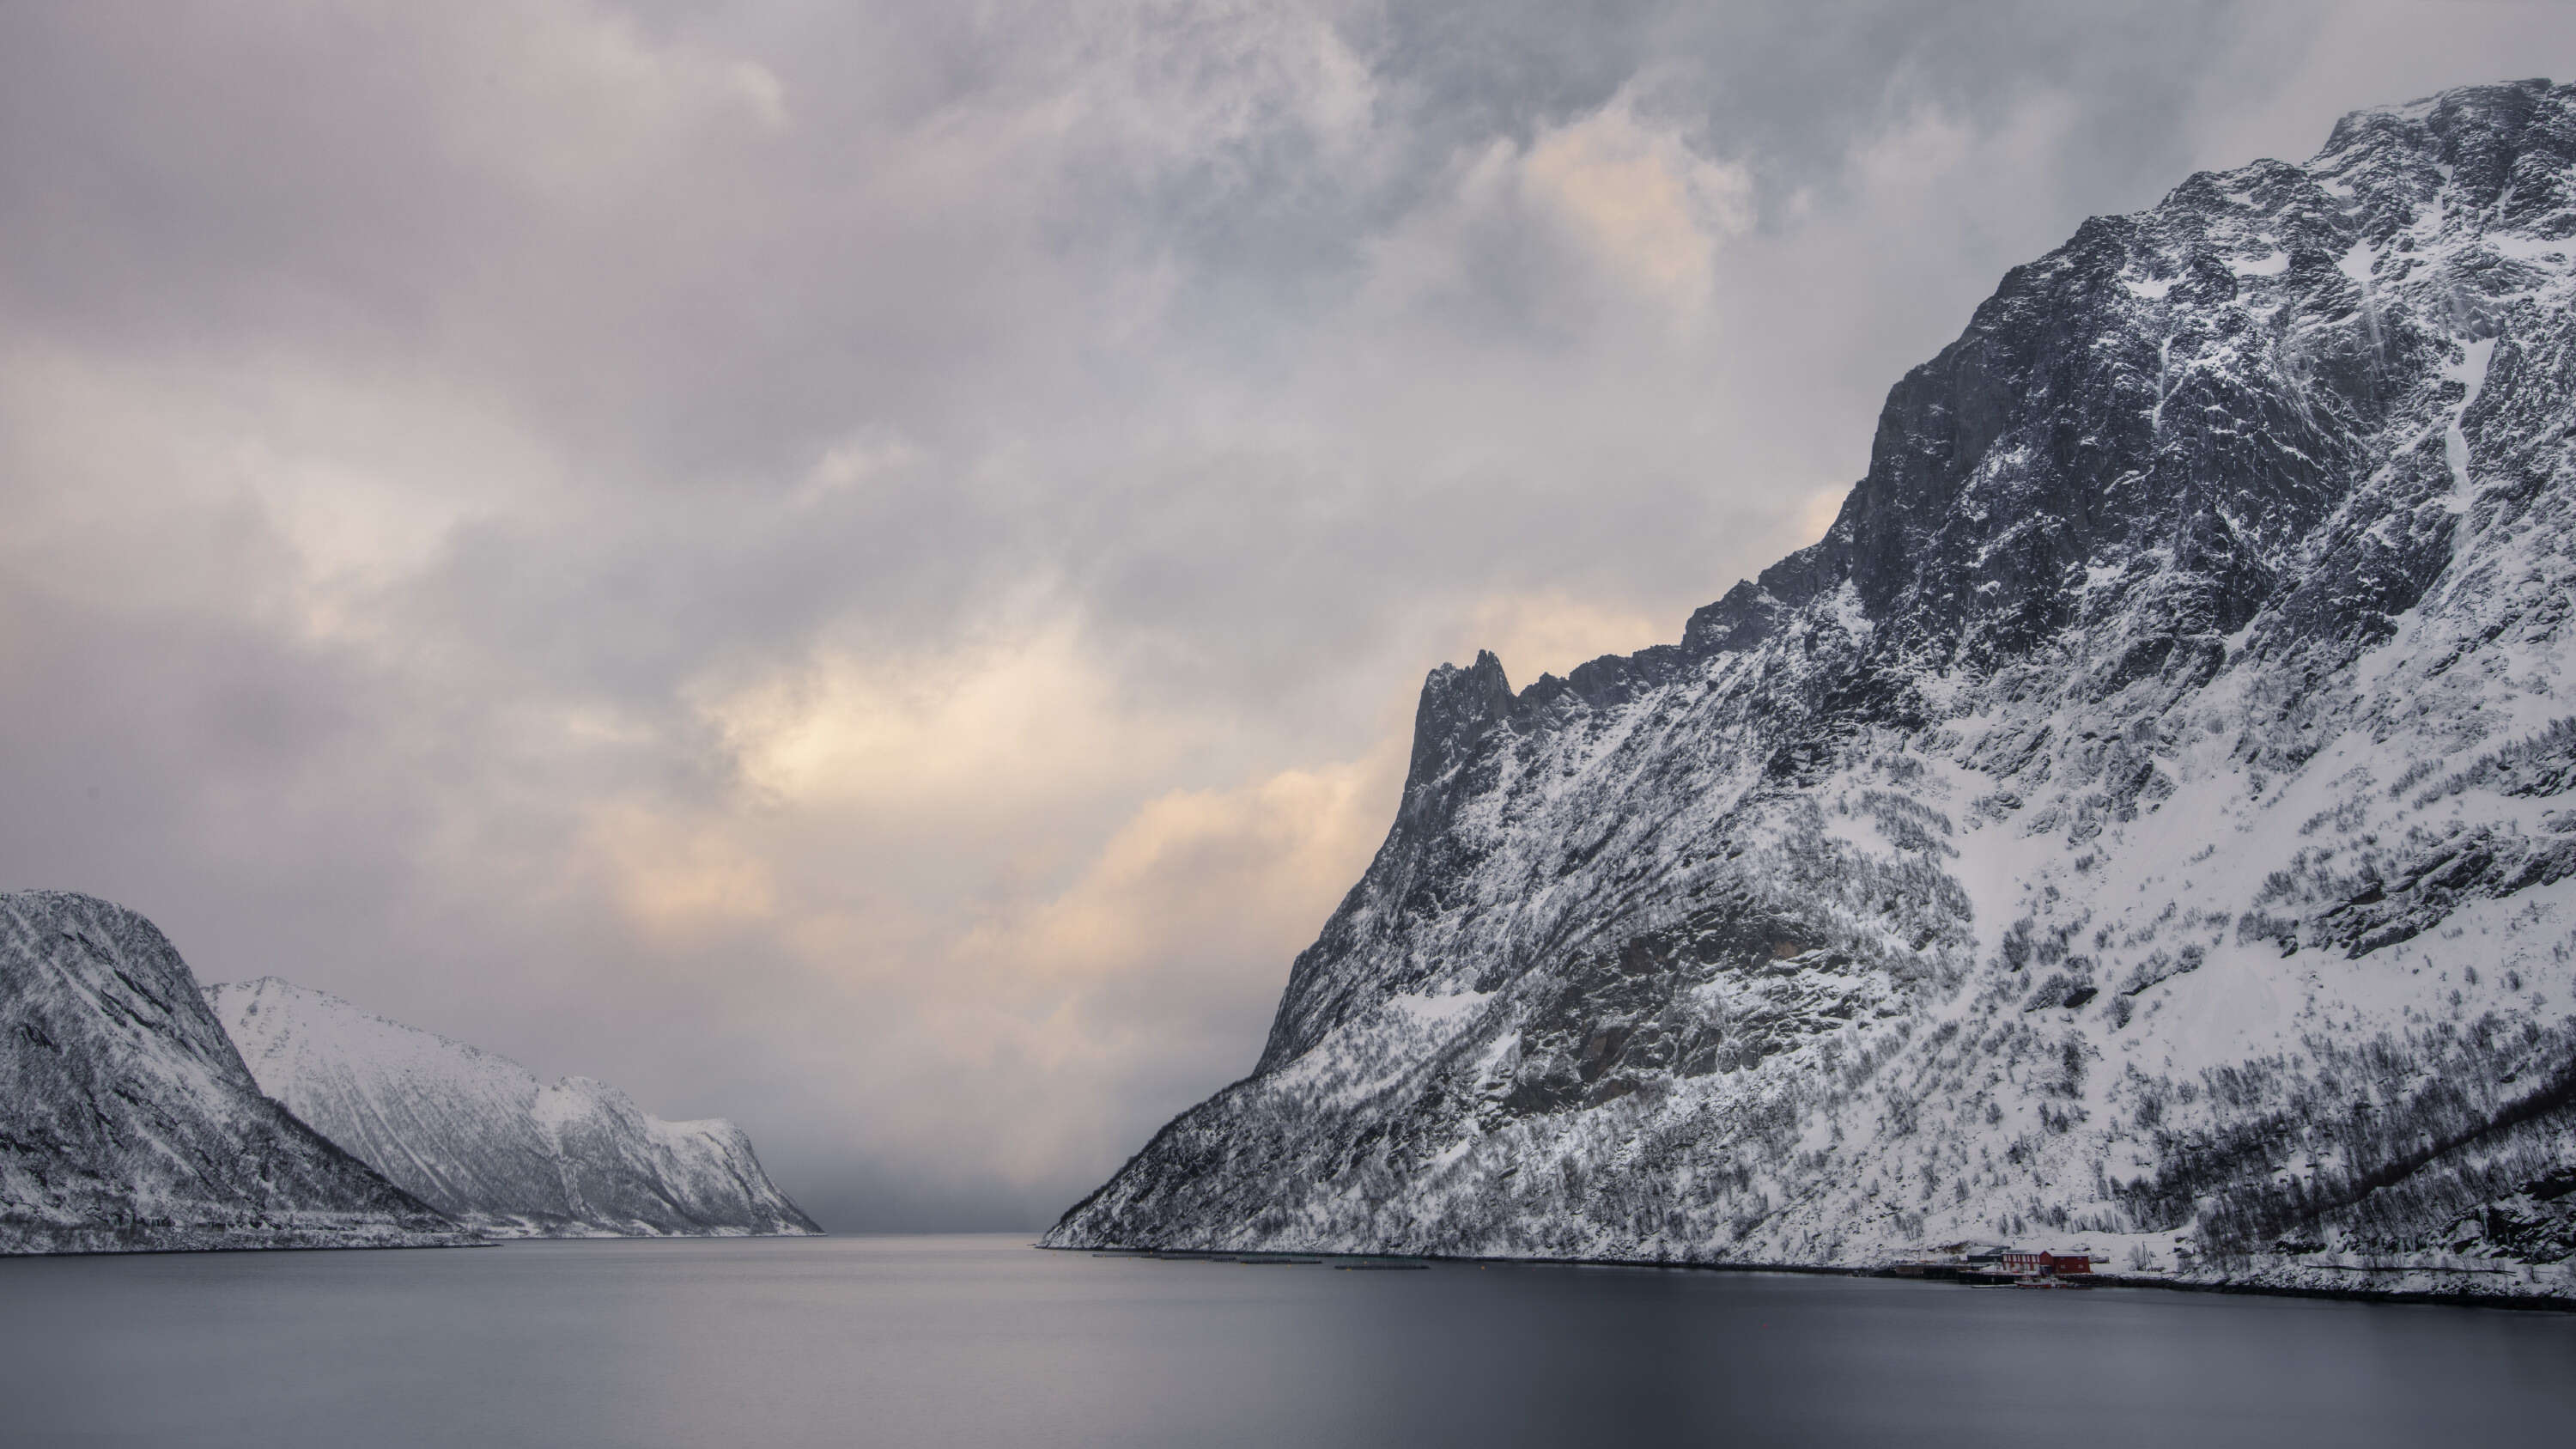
x,y
130,1122
2144,820
479,1137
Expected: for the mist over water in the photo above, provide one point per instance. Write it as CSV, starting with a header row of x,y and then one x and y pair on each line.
x,y
983,1341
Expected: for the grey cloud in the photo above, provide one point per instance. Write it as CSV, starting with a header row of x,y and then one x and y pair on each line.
x,y
433,435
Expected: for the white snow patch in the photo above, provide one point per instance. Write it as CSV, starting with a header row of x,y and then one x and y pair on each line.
x,y
1848,612
2271,264
2470,370
1436,1010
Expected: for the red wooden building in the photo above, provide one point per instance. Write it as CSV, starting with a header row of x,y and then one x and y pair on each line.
x,y
2046,1265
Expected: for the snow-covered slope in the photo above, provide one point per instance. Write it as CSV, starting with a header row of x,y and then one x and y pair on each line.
x,y
2147,819
479,1137
128,1122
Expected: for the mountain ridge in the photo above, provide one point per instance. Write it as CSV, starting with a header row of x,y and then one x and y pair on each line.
x,y
2205,603
484,1139
134,1125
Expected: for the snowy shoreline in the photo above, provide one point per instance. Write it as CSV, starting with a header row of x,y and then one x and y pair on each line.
x,y
2452,1298
164,1250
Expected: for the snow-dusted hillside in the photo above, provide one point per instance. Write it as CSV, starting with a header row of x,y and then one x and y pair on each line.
x,y
481,1138
127,1121
2147,819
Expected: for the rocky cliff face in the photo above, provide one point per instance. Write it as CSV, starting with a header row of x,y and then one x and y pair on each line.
x,y
481,1138
127,1120
2144,819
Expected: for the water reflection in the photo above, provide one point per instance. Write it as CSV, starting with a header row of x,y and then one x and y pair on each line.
x,y
980,1341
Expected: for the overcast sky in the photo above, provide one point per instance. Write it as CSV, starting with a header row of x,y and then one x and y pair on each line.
x,y
864,567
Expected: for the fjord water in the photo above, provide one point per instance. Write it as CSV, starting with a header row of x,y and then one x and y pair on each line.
x,y
984,1341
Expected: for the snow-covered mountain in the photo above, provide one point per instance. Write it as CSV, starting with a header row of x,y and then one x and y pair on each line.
x,y
481,1138
127,1120
2147,819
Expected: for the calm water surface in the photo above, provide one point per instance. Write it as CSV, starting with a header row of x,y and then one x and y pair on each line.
x,y
983,1341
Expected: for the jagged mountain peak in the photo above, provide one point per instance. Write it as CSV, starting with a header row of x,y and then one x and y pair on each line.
x,y
1457,706
1940,881
2273,268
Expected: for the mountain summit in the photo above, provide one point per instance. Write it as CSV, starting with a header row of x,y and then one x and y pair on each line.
x,y
481,1139
2143,819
